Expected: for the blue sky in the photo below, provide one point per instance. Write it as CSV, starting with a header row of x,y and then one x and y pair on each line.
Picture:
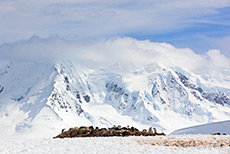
x,y
199,36
199,25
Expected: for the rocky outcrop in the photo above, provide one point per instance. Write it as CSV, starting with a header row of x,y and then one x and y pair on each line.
x,y
218,97
1,88
106,132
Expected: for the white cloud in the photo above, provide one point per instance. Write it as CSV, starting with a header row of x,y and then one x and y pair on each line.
x,y
218,59
99,18
223,45
204,43
124,51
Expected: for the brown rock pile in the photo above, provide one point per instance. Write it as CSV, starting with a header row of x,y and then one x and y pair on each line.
x,y
105,132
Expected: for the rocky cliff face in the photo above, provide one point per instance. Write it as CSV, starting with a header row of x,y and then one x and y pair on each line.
x,y
199,93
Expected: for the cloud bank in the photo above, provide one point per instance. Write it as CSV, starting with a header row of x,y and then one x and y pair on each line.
x,y
183,23
124,51
102,18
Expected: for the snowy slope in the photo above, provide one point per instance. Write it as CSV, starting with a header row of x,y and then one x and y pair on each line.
x,y
62,94
210,128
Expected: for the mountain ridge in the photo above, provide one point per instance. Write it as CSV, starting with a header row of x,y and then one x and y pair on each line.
x,y
70,94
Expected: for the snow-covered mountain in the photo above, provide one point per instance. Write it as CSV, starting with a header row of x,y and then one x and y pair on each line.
x,y
47,96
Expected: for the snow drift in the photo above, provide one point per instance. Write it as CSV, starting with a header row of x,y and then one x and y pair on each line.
x,y
210,128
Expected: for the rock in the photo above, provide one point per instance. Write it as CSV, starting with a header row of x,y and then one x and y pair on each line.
x,y
63,130
216,134
150,130
86,98
90,131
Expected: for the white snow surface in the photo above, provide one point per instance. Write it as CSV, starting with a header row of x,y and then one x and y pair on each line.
x,y
96,145
210,128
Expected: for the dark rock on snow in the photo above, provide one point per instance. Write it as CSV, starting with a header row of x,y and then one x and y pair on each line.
x,y
84,131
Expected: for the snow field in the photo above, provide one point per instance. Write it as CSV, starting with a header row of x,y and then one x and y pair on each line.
x,y
99,145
